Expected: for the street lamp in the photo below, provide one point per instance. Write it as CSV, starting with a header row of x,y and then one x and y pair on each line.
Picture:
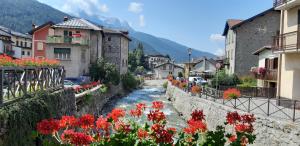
x,y
190,53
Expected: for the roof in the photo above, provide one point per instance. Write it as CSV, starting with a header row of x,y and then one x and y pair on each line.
x,y
257,52
77,23
254,17
229,24
158,55
41,26
4,33
168,63
117,32
14,33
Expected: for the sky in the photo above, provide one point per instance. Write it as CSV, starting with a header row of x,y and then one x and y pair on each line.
x,y
194,23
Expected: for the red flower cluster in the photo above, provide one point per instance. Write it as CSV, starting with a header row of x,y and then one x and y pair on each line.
x,y
198,115
80,89
157,105
138,111
162,135
233,118
6,60
116,114
48,126
67,121
142,134
196,123
103,124
196,89
76,138
156,116
232,93
86,121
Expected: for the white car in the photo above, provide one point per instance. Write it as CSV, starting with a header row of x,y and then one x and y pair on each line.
x,y
197,80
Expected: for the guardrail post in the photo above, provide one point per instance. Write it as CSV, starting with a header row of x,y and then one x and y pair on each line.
x,y
235,103
268,111
294,111
1,86
249,102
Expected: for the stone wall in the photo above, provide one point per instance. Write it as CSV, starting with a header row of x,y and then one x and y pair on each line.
x,y
269,131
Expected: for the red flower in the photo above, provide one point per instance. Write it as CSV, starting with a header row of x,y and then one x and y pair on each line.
x,y
232,138
232,93
142,134
248,118
198,126
196,89
162,135
122,127
233,118
67,135
116,114
48,126
244,128
172,130
86,121
244,141
78,138
157,105
156,116
103,124
141,106
135,113
198,115
67,121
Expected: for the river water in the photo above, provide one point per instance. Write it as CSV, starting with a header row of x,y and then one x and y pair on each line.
x,y
147,95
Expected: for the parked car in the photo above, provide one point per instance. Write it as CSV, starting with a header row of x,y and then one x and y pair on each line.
x,y
70,84
197,80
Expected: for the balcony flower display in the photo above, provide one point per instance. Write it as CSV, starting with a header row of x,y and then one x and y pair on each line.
x,y
258,71
117,129
6,60
232,93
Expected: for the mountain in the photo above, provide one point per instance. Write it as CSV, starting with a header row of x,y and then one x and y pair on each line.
x,y
20,14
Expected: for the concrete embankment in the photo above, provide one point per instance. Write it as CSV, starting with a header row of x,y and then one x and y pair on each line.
x,y
270,132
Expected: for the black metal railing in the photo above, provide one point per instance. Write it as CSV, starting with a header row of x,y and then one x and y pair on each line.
x,y
16,82
258,92
286,42
263,106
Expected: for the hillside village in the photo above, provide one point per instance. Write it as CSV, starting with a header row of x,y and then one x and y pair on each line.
x,y
78,69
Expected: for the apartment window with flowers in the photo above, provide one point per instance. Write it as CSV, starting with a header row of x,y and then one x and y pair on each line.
x,y
62,53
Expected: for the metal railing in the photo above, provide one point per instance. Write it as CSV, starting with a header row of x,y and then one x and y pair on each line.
x,y
286,42
67,40
277,3
263,106
17,82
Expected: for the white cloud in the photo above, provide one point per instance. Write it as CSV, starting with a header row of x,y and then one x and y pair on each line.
x,y
135,7
216,37
219,52
142,22
90,7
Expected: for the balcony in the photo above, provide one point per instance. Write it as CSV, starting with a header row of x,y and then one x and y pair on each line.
x,y
67,40
285,43
285,4
268,75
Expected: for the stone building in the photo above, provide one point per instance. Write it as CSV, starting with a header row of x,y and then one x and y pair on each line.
x,y
247,37
163,70
116,47
154,60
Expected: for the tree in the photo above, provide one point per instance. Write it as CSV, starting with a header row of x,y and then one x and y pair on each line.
x,y
136,58
105,72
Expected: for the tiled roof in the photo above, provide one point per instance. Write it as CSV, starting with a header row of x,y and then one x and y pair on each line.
x,y
261,50
232,22
14,33
3,33
77,23
115,31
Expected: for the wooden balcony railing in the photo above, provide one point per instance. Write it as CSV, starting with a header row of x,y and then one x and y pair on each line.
x,y
277,3
271,75
67,40
287,42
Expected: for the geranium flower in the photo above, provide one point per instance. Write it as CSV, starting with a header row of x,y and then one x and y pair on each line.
x,y
197,126
198,115
86,121
157,105
122,127
141,106
67,135
116,114
233,118
78,138
248,118
232,93
142,134
162,135
156,116
232,138
102,123
67,121
196,89
135,113
244,128
49,126
244,141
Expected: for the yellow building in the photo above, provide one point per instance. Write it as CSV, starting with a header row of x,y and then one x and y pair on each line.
x,y
287,45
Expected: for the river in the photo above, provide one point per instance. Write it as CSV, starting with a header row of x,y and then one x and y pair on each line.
x,y
152,91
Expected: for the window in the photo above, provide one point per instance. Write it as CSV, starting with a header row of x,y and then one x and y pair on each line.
x,y
30,45
17,43
21,44
40,46
83,58
164,67
25,44
62,53
28,53
23,52
275,63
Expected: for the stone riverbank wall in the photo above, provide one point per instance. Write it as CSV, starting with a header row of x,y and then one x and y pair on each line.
x,y
270,132
18,120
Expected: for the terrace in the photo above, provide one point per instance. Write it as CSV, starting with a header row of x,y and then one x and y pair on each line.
x,y
288,42
67,40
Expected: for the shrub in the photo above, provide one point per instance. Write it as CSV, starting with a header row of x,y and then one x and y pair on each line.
x,y
129,82
103,89
180,74
115,129
248,81
222,79
183,85
165,85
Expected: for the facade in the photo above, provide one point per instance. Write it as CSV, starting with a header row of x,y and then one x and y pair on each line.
x,y
286,44
154,60
116,47
162,71
39,39
259,30
21,43
205,66
268,63
5,43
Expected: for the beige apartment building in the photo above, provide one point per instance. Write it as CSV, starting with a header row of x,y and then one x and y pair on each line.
x,y
76,43
287,45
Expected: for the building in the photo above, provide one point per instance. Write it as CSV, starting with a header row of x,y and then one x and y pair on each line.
x,y
163,70
5,43
154,60
39,39
266,72
246,36
116,47
201,67
230,44
287,45
21,43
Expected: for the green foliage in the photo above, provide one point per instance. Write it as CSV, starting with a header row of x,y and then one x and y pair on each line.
x,y
136,60
248,81
180,74
165,85
105,72
103,89
216,137
140,70
222,79
129,82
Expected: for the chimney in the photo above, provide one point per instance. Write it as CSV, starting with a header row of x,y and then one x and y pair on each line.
x,y
66,18
33,26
